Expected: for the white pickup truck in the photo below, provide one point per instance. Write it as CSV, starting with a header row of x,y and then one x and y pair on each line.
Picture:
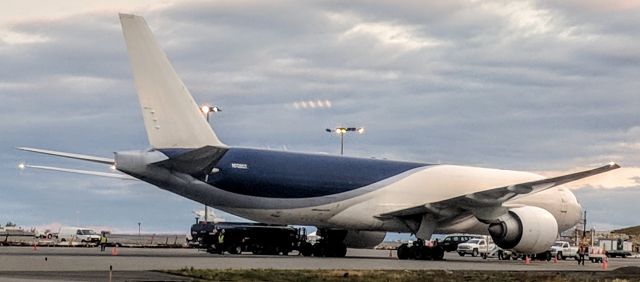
x,y
563,250
474,247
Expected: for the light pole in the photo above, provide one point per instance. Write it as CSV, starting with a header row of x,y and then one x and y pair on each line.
x,y
342,131
206,110
139,223
209,109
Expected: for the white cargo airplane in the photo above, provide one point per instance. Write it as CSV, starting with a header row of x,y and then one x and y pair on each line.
x,y
352,201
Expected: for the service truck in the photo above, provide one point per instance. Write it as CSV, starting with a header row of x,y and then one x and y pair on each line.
x,y
257,238
475,247
563,250
78,234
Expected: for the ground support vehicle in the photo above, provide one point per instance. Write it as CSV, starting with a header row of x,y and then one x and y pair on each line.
x,y
475,247
450,243
616,248
78,234
544,256
563,250
502,254
257,238
597,254
418,250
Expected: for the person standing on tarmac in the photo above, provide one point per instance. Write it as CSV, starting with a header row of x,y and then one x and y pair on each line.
x,y
581,252
103,241
221,241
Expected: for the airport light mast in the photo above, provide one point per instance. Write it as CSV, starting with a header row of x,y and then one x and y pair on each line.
x,y
206,110
342,131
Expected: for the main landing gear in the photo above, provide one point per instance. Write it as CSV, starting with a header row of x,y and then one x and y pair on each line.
x,y
418,251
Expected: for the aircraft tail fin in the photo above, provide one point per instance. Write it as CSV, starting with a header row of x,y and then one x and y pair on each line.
x,y
172,118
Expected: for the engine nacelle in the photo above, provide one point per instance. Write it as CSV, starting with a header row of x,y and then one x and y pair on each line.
x,y
363,239
528,230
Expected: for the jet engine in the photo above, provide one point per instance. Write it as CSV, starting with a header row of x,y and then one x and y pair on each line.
x,y
363,239
528,230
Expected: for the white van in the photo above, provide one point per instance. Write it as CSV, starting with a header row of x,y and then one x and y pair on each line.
x,y
78,234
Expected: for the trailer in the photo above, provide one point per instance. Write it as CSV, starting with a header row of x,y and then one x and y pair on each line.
x,y
257,238
616,248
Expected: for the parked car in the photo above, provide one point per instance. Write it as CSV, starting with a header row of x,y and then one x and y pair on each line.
x,y
563,250
474,247
46,234
450,243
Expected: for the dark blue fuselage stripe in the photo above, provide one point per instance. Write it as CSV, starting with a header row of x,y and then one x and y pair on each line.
x,y
277,174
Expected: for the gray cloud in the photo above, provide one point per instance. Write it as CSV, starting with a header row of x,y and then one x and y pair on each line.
x,y
519,85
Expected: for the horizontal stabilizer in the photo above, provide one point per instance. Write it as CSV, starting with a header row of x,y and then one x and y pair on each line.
x,y
69,155
79,171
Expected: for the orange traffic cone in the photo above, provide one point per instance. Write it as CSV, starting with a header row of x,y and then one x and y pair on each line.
x,y
604,264
527,260
35,247
555,259
114,251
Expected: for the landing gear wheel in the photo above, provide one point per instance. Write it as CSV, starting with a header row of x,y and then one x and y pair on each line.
x,y
416,253
403,252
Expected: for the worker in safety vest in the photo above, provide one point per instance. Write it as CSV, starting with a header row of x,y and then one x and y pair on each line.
x,y
220,246
103,241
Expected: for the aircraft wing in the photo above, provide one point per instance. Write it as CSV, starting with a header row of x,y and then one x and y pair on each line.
x,y
492,199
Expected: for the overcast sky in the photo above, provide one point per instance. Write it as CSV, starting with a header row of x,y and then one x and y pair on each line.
x,y
542,86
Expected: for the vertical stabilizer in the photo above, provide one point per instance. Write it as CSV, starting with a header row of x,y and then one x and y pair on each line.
x,y
171,116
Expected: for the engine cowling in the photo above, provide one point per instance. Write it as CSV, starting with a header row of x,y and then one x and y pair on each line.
x,y
363,239
528,230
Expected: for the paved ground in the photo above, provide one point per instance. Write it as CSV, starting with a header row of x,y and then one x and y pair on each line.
x,y
58,263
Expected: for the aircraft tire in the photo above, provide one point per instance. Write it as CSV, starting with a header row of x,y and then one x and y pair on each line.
x,y
403,252
418,253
